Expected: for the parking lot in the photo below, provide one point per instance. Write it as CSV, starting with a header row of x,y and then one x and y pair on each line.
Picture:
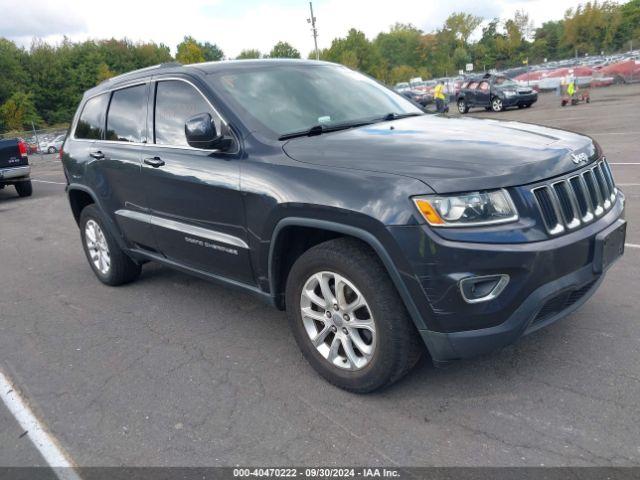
x,y
175,371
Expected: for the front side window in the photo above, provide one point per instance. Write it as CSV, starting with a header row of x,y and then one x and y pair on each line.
x,y
127,114
176,102
91,123
283,99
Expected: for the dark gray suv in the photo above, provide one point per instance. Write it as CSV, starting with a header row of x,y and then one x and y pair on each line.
x,y
380,229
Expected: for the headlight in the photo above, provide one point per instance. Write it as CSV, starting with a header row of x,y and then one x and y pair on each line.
x,y
468,209
510,93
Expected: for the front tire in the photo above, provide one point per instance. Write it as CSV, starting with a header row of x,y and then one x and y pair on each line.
x,y
51,150
496,104
108,261
24,189
462,106
348,319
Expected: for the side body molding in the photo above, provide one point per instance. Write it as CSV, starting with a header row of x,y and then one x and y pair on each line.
x,y
184,228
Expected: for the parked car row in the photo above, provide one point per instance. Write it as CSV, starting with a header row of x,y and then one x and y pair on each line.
x,y
606,72
596,71
44,143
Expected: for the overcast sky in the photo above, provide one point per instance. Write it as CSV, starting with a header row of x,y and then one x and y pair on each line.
x,y
239,24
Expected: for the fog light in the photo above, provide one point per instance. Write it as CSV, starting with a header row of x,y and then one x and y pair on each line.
x,y
482,288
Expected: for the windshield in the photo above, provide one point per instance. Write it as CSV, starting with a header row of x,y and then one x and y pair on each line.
x,y
284,99
505,82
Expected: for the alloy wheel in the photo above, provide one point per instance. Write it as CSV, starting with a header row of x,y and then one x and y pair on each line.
x,y
496,104
97,247
338,320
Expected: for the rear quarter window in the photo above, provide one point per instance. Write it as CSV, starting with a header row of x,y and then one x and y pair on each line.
x,y
92,119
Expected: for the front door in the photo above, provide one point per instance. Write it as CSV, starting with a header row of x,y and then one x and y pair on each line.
x,y
193,195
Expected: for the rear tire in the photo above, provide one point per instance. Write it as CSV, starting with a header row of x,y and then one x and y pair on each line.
x,y
51,150
391,349
24,189
108,261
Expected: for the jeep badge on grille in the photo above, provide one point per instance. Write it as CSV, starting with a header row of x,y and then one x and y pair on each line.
x,y
579,158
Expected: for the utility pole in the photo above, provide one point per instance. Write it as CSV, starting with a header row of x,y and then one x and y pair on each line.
x,y
312,21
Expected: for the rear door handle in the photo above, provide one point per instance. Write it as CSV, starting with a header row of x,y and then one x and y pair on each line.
x,y
155,162
98,155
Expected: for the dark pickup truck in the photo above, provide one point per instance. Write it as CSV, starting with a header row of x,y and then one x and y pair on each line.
x,y
14,166
384,232
494,92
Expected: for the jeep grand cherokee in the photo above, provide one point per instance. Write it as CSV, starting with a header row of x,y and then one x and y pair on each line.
x,y
380,229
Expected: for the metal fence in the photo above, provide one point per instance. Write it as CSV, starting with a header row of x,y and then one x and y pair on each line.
x,y
40,141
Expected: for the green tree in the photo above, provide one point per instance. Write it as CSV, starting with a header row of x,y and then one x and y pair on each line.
x,y
12,72
283,50
399,46
18,112
211,52
188,51
402,73
462,25
592,27
354,51
549,35
249,54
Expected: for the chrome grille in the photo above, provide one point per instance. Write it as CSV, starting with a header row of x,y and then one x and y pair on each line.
x,y
577,200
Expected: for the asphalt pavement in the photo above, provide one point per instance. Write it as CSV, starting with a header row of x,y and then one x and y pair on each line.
x,y
175,371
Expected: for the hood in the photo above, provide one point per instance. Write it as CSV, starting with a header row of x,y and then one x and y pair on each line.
x,y
449,154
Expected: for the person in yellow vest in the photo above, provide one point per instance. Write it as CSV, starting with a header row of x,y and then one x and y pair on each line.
x,y
571,88
438,95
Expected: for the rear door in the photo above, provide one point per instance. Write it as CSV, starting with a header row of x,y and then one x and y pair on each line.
x,y
196,209
119,156
483,94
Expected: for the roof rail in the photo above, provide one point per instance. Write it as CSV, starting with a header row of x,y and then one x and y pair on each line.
x,y
152,67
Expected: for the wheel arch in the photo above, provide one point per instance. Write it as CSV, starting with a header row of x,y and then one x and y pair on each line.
x,y
81,196
277,279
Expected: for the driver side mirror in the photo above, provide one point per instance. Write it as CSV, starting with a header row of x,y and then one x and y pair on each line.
x,y
200,131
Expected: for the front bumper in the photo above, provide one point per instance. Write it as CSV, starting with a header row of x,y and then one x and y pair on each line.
x,y
520,100
15,173
548,280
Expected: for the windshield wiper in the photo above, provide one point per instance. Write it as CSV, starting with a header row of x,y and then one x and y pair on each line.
x,y
396,116
320,129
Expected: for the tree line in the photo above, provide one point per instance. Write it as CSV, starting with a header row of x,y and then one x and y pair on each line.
x,y
44,84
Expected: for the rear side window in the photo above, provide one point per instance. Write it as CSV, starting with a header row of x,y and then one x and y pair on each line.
x,y
127,114
472,85
176,102
91,122
483,86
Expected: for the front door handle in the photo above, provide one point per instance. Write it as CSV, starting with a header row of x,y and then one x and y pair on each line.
x,y
98,155
155,162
